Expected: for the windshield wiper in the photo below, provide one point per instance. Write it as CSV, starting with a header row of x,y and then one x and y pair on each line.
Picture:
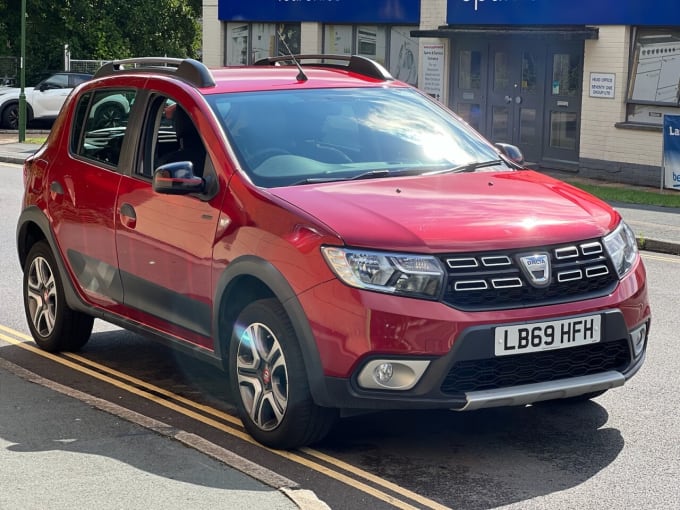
x,y
469,167
365,175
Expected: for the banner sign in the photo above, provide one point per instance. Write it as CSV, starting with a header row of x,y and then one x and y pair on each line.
x,y
323,11
563,12
671,151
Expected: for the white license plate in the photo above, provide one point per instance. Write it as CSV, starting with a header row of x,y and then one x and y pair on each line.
x,y
543,336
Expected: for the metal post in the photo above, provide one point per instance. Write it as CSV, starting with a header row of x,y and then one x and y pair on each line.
x,y
22,75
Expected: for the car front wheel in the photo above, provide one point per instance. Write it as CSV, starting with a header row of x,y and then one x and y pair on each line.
x,y
54,326
270,384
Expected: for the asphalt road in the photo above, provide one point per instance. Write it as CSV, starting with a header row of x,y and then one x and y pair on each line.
x,y
621,450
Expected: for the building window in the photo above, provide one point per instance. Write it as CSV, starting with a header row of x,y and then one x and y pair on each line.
x,y
392,46
247,43
654,85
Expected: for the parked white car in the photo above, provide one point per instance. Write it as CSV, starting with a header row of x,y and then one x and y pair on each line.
x,y
42,101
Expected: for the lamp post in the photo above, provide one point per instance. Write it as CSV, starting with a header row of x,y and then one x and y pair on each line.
x,y
22,75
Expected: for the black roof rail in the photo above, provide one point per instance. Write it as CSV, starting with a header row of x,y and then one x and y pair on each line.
x,y
187,69
356,64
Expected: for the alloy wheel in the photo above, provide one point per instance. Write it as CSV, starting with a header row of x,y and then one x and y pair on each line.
x,y
262,376
42,296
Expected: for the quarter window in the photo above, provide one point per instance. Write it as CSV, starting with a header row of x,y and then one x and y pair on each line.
x,y
100,125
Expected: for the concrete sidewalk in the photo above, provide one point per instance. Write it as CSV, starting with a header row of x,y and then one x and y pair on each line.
x,y
14,152
60,449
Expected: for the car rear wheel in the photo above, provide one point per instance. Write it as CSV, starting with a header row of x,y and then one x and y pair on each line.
x,y
10,116
270,384
54,326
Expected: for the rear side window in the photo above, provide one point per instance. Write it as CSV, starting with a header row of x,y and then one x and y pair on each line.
x,y
100,124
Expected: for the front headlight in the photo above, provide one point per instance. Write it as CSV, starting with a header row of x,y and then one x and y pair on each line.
x,y
394,273
622,248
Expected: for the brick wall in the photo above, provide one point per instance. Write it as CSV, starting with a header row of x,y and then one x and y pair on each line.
x,y
619,151
213,35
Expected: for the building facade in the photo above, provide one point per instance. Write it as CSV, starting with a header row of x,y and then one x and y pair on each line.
x,y
580,85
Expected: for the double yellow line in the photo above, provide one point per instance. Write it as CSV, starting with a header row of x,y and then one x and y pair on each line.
x,y
308,457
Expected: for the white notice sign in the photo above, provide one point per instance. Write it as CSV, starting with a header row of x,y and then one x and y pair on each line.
x,y
602,85
433,70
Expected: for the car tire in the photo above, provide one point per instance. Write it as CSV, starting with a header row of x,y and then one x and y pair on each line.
x,y
109,115
269,381
10,116
55,327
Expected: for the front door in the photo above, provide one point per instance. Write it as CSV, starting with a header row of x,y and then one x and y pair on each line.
x,y
523,91
515,99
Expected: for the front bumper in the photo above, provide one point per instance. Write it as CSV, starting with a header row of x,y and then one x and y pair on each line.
x,y
470,377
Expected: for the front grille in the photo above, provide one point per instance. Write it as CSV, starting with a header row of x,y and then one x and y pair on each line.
x,y
496,280
501,372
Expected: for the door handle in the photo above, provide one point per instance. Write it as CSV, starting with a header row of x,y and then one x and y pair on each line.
x,y
508,99
128,216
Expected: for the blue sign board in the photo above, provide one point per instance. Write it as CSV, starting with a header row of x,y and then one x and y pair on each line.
x,y
671,151
563,12
323,11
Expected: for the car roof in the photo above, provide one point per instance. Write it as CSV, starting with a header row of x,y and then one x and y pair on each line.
x,y
272,73
256,78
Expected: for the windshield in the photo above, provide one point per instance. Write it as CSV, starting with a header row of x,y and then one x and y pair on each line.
x,y
301,136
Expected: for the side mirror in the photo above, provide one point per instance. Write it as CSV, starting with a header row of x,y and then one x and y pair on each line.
x,y
177,179
43,87
512,152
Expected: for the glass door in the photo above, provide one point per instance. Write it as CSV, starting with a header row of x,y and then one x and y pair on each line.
x,y
516,95
563,103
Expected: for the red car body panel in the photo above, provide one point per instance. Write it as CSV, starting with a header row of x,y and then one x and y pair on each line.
x,y
455,212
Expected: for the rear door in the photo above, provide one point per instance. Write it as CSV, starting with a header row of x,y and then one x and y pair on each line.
x,y
84,181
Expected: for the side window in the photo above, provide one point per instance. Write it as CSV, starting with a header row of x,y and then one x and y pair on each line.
x,y
79,123
77,79
56,81
100,125
171,136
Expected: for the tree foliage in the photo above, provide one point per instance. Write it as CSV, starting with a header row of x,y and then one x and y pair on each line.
x,y
99,29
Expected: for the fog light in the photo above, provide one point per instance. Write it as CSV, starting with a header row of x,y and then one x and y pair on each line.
x,y
391,374
383,373
639,337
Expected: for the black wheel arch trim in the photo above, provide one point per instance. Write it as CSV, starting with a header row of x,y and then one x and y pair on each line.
x,y
34,215
256,267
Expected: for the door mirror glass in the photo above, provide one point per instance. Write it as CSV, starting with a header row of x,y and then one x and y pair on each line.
x,y
512,152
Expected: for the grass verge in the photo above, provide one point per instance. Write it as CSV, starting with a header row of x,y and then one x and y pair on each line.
x,y
631,195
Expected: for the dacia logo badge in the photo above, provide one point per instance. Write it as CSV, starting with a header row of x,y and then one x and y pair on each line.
x,y
537,268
